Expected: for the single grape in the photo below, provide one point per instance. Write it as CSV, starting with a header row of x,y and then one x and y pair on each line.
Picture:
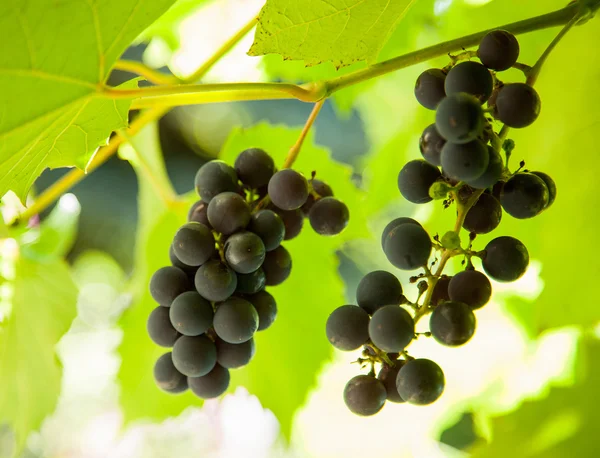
x,y
254,167
517,105
347,327
394,223
269,226
293,220
470,287
377,289
452,323
160,329
251,283
492,173
391,328
277,266
415,179
420,381
266,307
215,281
364,395
176,262
388,375
431,144
429,88
194,356
167,283
233,356
236,320
550,184
524,195
198,213
505,259
319,187
440,290
467,161
167,377
329,216
193,244
191,314
211,385
244,252
215,177
484,216
471,78
459,118
228,213
288,189
407,246
498,50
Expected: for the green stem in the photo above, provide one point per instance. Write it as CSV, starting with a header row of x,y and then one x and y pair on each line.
x,y
148,73
313,92
295,150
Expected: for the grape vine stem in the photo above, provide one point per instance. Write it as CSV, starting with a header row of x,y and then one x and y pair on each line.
x,y
144,71
295,150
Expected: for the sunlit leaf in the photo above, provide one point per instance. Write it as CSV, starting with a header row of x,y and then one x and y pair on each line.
x,y
51,74
42,308
337,31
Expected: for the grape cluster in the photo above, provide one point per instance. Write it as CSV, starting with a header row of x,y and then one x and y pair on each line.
x,y
212,299
461,164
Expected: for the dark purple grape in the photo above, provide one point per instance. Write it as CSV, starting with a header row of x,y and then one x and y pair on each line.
x,y
329,216
466,161
236,320
452,323
215,281
524,195
415,179
228,213
319,187
215,177
269,226
498,50
244,252
251,283
167,377
550,185
517,105
293,220
167,283
429,88
347,327
470,287
440,290
391,328
266,307
484,216
505,259
431,144
408,246
194,356
233,356
459,118
194,244
254,167
364,395
396,222
288,189
277,266
198,214
191,314
420,381
470,78
377,289
211,385
388,376
492,173
160,329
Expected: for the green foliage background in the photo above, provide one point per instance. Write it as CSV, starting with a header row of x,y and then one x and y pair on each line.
x,y
57,118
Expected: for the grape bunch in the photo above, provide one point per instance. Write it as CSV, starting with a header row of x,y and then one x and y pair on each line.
x,y
212,298
462,165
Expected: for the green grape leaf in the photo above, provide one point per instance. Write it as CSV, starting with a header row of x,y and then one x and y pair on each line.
x,y
41,310
52,77
339,31
285,356
563,423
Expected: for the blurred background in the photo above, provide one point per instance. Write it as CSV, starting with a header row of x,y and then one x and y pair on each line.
x,y
524,385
